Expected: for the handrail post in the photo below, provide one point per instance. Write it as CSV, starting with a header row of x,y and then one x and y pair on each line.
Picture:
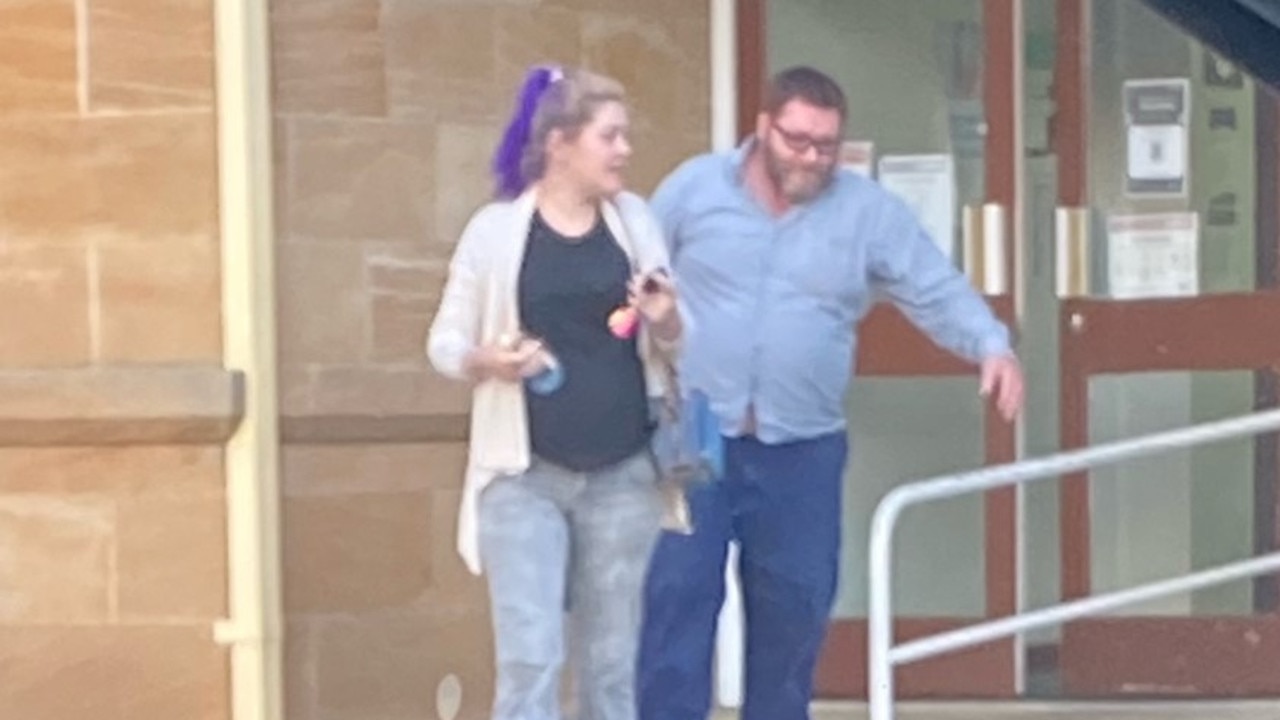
x,y
881,658
880,609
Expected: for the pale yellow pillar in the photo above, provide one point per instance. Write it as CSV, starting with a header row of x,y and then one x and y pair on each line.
x,y
254,629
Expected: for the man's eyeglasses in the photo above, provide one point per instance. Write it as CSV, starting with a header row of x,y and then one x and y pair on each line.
x,y
800,142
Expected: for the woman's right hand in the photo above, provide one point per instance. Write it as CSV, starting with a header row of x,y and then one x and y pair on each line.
x,y
506,363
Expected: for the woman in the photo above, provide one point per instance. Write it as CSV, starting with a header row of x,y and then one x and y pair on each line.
x,y
561,502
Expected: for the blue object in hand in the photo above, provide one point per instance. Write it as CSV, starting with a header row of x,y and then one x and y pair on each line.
x,y
547,381
688,444
704,427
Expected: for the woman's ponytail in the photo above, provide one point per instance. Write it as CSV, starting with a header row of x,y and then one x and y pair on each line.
x,y
508,161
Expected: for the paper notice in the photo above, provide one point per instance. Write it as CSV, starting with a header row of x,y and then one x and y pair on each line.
x,y
1153,256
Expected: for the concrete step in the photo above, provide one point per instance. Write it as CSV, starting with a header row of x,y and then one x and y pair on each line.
x,y
1020,710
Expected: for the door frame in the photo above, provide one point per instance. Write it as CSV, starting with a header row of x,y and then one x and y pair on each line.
x,y
1129,656
890,346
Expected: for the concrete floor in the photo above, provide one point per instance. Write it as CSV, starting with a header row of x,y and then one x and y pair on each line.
x,y
1191,710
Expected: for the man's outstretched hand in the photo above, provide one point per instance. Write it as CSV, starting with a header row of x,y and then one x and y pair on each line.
x,y
1002,378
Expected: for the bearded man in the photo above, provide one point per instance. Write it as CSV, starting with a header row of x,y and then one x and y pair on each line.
x,y
778,254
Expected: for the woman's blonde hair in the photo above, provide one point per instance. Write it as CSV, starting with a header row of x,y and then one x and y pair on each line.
x,y
551,99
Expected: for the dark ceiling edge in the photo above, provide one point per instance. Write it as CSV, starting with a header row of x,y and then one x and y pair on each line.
x,y
1242,31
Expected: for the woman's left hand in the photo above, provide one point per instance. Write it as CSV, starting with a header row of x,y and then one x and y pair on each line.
x,y
654,296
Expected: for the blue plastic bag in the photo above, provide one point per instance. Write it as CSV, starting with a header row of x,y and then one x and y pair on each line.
x,y
687,449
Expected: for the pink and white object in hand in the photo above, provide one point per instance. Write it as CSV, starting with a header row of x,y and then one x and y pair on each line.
x,y
623,322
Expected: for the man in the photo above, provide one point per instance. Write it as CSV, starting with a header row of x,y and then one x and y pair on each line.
x,y
778,255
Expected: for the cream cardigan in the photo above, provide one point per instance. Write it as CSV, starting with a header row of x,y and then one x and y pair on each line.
x,y
479,305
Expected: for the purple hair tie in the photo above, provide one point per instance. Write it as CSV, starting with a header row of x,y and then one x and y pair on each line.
x,y
507,160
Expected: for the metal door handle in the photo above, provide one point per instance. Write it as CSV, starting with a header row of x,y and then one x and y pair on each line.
x,y
1071,251
984,248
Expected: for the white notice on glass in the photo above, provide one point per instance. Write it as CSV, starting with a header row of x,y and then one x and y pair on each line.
x,y
927,184
1153,256
1157,152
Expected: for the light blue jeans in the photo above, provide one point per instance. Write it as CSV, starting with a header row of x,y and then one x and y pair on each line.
x,y
553,540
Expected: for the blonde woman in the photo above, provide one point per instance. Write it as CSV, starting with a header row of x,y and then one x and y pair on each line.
x,y
557,309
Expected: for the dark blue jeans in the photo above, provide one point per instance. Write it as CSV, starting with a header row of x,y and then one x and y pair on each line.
x,y
782,503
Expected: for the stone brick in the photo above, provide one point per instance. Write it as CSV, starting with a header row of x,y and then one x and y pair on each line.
x,y
113,673
612,44
38,71
300,670
172,558
392,666
47,193
281,141
160,302
364,468
409,269
385,392
123,472
321,292
55,564
440,59
297,387
149,177
158,176
528,36
365,180
121,404
356,552
44,305
328,57
463,156
453,587
392,429
668,10
148,54
399,329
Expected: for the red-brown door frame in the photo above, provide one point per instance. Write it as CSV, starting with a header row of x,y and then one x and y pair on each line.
x,y
891,347
1207,656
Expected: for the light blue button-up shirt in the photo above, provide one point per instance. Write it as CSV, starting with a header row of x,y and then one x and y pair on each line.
x,y
774,301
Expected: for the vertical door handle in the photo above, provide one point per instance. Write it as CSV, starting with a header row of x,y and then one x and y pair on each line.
x,y
984,248
1071,252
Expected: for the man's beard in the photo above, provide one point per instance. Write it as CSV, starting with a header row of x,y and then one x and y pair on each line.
x,y
796,184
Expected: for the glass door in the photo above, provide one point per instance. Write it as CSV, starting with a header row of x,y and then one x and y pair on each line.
x,y
1151,304
932,115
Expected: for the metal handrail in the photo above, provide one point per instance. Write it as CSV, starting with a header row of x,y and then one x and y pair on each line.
x,y
883,655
